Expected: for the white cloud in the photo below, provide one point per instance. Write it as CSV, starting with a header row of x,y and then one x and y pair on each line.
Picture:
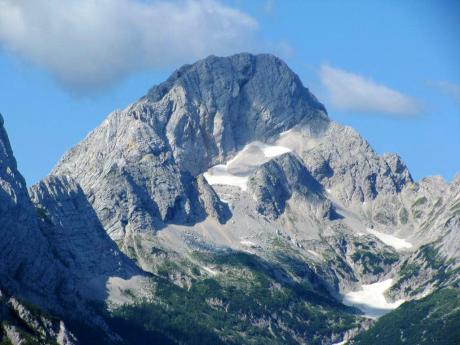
x,y
450,89
92,43
351,91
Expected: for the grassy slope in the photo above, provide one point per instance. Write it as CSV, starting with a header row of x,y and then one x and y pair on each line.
x,y
433,320
251,303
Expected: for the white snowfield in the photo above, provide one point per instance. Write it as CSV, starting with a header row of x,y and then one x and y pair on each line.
x,y
210,270
249,244
270,151
237,171
371,299
395,242
341,343
219,174
314,253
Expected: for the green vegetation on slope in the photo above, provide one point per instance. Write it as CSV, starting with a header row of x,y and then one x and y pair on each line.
x,y
428,259
433,320
28,333
248,302
371,260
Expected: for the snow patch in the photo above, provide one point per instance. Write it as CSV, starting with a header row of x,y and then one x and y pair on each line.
x,y
371,299
249,244
271,151
210,270
286,132
341,343
219,175
395,242
236,172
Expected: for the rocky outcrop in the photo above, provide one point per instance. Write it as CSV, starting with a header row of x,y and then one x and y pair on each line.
x,y
276,181
25,324
342,160
211,203
218,105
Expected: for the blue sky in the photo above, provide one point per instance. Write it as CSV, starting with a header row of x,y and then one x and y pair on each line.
x,y
390,69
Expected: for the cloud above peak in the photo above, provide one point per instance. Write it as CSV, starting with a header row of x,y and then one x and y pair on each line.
x,y
350,91
87,44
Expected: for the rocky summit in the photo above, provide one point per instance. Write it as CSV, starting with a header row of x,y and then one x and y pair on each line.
x,y
226,207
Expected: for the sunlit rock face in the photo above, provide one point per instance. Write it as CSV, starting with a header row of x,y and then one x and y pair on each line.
x,y
139,167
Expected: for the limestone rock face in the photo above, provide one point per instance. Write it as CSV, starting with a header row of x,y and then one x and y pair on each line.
x,y
277,180
138,168
211,203
343,160
220,104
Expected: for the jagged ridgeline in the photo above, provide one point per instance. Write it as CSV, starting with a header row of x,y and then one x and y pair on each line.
x,y
226,207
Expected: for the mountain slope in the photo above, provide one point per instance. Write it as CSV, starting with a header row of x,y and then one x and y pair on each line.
x,y
431,320
226,207
235,153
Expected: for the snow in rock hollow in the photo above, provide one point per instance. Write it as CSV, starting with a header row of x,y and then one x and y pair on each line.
x,y
249,244
210,270
341,343
371,299
395,242
219,175
237,171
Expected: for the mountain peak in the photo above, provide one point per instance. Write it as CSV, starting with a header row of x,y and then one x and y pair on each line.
x,y
201,116
227,76
242,66
224,103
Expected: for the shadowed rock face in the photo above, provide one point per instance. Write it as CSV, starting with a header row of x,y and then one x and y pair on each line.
x,y
77,237
138,167
53,251
26,325
26,264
